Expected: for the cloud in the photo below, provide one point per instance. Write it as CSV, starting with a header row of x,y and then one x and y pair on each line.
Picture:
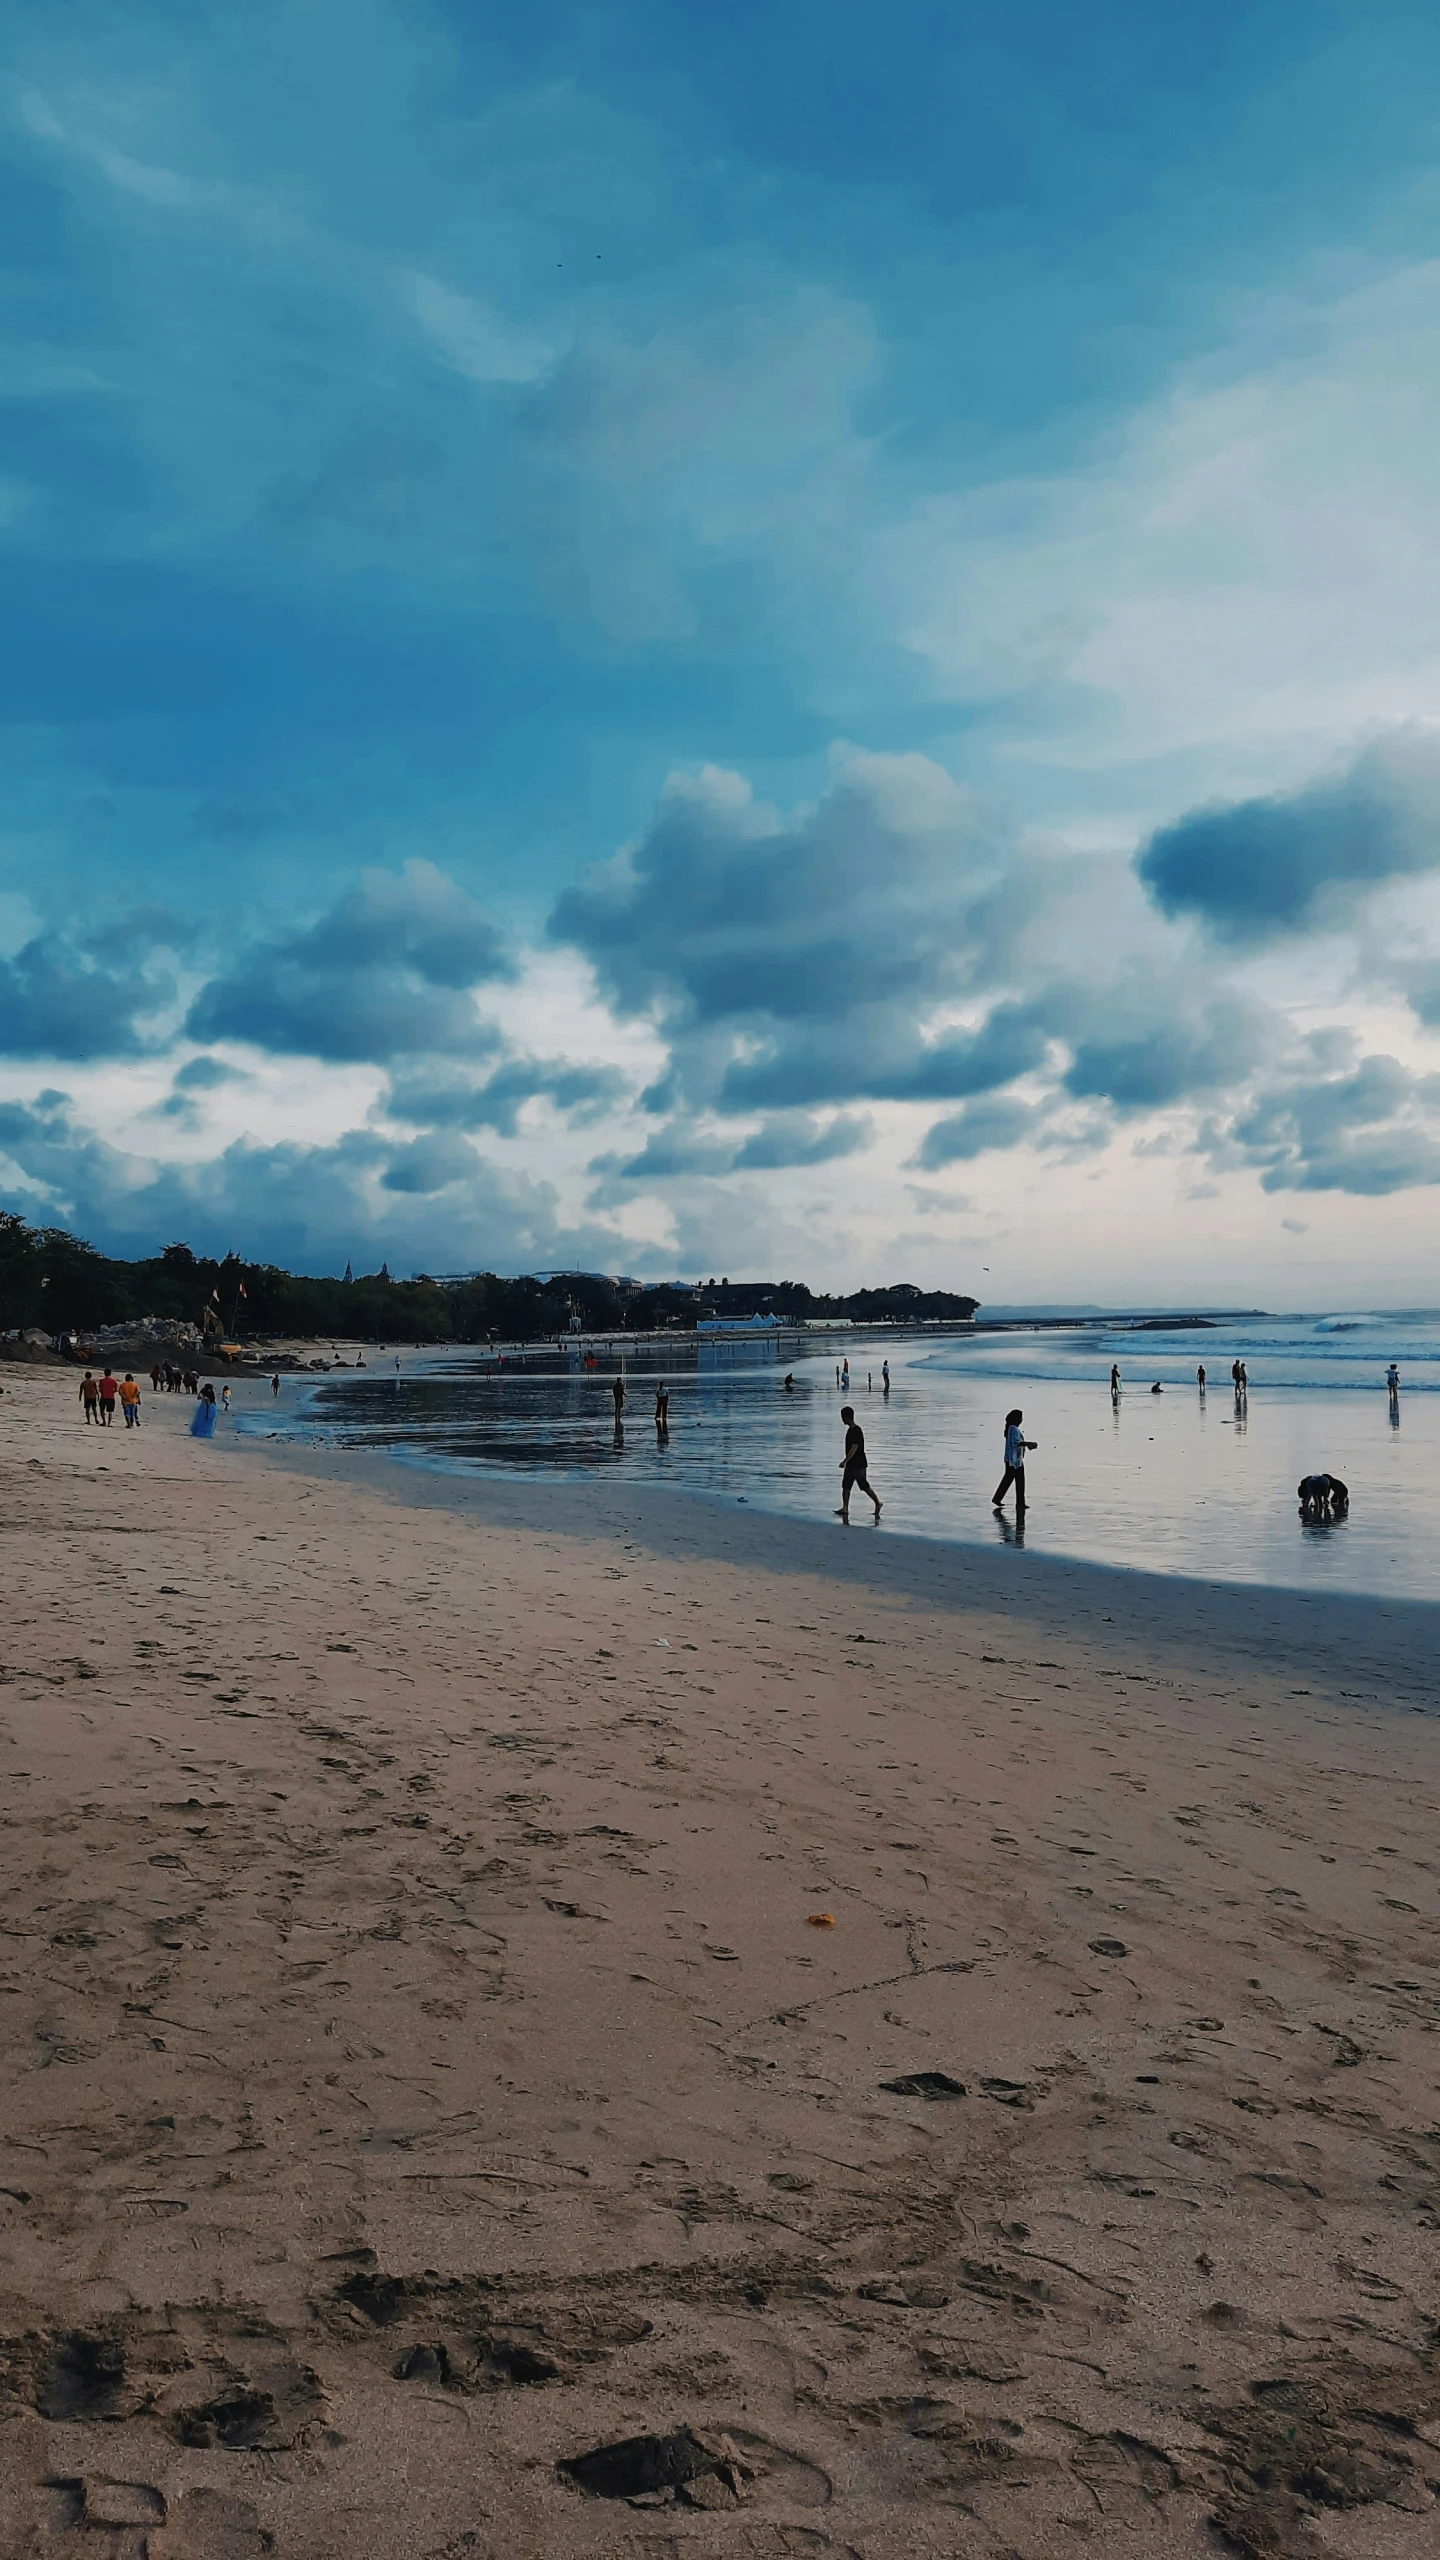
x,y
981,1127
203,1074
794,960
578,1093
385,974
59,1002
474,339
1371,1132
1281,865
796,1138
430,1164
310,1207
1140,1057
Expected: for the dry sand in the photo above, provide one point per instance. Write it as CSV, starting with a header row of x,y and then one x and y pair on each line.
x,y
420,2065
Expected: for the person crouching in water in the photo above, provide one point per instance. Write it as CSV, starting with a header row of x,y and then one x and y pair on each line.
x,y
1015,1447
1323,1497
852,1466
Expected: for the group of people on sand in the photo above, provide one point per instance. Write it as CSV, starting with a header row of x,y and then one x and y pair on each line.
x,y
99,1397
166,1379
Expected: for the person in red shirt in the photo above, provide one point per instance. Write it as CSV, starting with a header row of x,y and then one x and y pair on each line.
x,y
108,1392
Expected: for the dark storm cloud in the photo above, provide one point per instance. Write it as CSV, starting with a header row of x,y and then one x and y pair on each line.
x,y
1263,867
385,974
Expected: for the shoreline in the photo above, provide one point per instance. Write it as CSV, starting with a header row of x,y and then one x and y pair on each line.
x,y
484,1983
1391,1644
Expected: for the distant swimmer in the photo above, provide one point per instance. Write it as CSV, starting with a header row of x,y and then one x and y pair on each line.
x,y
1323,1497
1015,1447
853,1470
1157,1389
789,1382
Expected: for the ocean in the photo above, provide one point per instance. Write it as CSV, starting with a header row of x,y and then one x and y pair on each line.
x,y
1172,1481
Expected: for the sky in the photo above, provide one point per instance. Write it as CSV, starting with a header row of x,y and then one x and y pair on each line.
x,y
787,641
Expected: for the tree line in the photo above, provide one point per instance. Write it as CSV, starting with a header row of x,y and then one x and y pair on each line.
x,y
54,1281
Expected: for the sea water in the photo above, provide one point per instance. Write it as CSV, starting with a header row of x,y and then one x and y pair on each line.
x,y
1174,1482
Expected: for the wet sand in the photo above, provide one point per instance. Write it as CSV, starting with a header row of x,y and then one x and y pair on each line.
x,y
422,2066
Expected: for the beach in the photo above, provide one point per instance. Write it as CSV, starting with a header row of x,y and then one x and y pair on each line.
x,y
926,2049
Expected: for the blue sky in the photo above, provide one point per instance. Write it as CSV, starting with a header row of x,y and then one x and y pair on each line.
x,y
800,638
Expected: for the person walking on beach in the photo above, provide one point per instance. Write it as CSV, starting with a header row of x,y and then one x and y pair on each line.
x,y
155,1379
1200,1379
1392,1381
662,1411
90,1398
130,1400
275,1385
1015,1447
1114,1381
108,1393
618,1392
884,1377
852,1466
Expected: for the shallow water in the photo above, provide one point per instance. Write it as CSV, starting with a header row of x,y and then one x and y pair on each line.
x,y
1169,1482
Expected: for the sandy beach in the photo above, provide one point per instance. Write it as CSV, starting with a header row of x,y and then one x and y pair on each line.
x,y
941,2046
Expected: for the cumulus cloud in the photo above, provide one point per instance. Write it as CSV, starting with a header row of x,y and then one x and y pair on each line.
x,y
312,1207
1370,1132
1280,865
579,1093
62,1000
798,1138
796,960
385,974
997,1121
1142,1057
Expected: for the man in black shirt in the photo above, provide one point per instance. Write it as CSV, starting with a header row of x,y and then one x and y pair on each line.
x,y
852,1466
